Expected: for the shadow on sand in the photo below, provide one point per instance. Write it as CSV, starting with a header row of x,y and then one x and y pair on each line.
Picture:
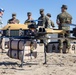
x,y
7,63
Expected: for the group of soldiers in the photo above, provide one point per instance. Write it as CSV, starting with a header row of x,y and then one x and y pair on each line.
x,y
62,19
44,19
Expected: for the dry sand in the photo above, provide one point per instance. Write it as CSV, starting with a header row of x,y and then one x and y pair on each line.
x,y
57,64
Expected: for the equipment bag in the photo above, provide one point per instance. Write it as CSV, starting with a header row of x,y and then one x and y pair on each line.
x,y
19,48
16,54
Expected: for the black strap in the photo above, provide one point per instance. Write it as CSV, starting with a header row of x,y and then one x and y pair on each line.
x,y
10,49
18,49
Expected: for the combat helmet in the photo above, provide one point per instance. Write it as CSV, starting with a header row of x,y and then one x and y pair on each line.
x,y
64,6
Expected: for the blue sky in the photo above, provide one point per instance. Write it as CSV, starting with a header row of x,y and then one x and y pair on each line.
x,y
21,7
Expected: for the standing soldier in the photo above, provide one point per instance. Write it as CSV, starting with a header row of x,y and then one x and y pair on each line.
x,y
44,20
1,14
29,19
51,22
63,19
51,25
13,20
2,40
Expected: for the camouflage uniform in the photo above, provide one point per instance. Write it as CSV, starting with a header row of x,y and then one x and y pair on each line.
x,y
51,22
2,40
51,25
44,23
64,19
13,21
29,20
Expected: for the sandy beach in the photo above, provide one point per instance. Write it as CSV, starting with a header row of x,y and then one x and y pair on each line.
x,y
57,64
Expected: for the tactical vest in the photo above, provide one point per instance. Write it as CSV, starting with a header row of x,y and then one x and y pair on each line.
x,y
44,22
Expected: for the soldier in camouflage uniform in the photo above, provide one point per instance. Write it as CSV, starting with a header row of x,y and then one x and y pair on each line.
x,y
50,26
44,20
63,19
44,23
29,19
2,40
51,22
13,20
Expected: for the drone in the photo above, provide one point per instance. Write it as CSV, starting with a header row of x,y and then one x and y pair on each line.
x,y
30,31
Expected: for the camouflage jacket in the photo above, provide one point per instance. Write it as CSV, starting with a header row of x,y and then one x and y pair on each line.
x,y
29,21
13,21
64,17
51,24
44,21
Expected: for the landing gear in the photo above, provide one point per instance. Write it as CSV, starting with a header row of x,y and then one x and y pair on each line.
x,y
45,48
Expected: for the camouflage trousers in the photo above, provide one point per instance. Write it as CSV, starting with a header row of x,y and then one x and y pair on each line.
x,y
66,35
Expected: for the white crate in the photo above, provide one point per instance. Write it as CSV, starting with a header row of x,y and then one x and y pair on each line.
x,y
72,48
40,48
27,53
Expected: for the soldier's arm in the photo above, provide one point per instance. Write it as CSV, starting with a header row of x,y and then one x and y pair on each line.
x,y
48,22
70,18
57,20
38,21
18,21
52,24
